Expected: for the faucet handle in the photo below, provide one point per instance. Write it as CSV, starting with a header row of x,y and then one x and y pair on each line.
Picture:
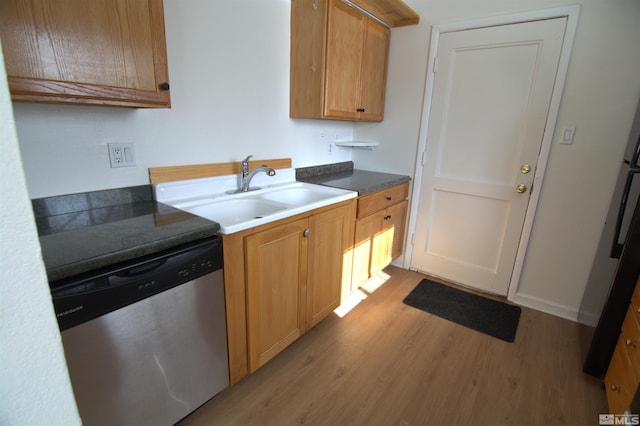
x,y
245,166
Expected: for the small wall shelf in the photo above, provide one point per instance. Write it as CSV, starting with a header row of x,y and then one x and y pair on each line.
x,y
358,144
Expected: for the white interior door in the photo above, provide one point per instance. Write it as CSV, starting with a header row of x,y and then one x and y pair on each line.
x,y
490,100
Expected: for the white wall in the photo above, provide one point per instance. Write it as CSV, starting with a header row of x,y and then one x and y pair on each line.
x,y
35,387
229,75
600,96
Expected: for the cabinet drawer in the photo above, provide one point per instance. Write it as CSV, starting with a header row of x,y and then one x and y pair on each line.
x,y
380,200
620,381
631,336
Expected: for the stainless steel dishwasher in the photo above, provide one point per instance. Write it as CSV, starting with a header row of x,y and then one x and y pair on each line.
x,y
146,342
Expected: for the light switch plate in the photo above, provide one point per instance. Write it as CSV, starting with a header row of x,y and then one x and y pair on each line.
x,y
566,135
122,155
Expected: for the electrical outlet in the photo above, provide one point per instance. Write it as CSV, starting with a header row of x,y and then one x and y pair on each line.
x,y
122,155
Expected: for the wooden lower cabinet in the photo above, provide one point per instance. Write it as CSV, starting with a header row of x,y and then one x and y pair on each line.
x,y
620,381
379,236
329,257
623,375
281,279
276,261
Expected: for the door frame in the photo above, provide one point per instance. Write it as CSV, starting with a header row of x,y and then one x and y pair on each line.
x,y
571,13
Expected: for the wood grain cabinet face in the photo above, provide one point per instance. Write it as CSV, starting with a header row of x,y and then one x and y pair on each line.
x,y
105,52
338,62
379,232
631,336
293,278
330,242
623,375
620,381
276,262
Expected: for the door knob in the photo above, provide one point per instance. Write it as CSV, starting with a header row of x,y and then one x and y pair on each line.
x,y
525,168
521,188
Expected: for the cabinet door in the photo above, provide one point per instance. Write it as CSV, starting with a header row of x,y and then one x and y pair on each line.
x,y
328,245
387,243
109,52
630,333
620,381
367,230
397,217
345,40
379,239
275,295
374,71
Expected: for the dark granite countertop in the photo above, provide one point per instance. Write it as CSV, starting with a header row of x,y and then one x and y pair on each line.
x,y
344,176
84,232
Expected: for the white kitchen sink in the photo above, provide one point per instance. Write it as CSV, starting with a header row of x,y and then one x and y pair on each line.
x,y
298,194
236,212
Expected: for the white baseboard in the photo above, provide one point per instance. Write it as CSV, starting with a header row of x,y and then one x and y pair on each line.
x,y
556,309
588,318
553,308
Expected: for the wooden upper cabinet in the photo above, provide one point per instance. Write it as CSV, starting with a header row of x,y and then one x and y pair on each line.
x,y
374,71
338,62
105,52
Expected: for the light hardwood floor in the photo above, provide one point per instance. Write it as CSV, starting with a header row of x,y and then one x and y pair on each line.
x,y
385,363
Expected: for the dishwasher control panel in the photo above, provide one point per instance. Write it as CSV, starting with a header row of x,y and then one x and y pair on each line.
x,y
84,298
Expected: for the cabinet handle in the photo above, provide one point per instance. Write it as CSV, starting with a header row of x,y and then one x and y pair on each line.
x,y
360,110
387,217
388,197
306,232
164,86
615,388
630,342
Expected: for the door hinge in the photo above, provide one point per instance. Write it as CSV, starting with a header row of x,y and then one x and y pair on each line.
x,y
435,65
422,160
413,238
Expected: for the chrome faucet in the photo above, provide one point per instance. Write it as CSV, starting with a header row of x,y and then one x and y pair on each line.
x,y
246,176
